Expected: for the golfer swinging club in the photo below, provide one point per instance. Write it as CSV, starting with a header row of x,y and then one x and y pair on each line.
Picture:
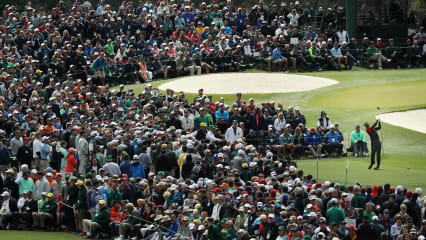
x,y
376,145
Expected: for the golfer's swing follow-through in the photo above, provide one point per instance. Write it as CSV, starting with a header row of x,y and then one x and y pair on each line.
x,y
376,145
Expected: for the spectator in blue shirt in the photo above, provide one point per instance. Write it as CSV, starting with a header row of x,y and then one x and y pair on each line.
x,y
222,113
332,142
99,66
336,53
125,165
314,142
188,16
287,142
280,60
271,139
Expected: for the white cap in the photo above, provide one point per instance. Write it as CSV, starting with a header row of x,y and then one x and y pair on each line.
x,y
219,165
292,168
263,216
312,214
5,194
240,152
271,215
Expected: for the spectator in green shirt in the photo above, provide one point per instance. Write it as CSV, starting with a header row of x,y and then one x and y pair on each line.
x,y
114,195
100,219
393,52
47,210
334,213
357,200
202,118
375,55
358,142
214,232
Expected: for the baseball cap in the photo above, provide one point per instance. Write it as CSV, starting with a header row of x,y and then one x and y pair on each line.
x,y
5,194
352,227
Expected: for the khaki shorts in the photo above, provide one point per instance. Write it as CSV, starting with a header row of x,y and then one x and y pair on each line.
x,y
100,73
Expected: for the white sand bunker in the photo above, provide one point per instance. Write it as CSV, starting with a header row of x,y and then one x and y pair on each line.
x,y
231,83
414,120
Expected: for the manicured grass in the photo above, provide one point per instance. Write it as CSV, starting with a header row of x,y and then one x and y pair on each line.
x,y
393,90
370,96
34,235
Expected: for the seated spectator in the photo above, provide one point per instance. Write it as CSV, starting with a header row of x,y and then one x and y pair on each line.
x,y
299,141
375,55
101,219
314,142
336,53
394,53
47,212
324,122
129,222
358,142
287,142
332,141
414,55
280,60
8,208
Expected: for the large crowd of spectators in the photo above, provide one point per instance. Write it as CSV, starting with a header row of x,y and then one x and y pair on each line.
x,y
78,156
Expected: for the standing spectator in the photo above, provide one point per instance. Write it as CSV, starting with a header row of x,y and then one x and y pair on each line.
x,y
5,161
83,152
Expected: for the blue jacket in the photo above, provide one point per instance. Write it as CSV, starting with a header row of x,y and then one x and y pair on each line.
x,y
125,168
333,137
99,64
188,17
240,22
173,229
4,156
137,170
276,53
313,139
286,139
223,114
271,140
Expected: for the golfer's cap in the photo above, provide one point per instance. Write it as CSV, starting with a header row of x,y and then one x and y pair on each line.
x,y
365,38
379,39
50,195
44,194
413,230
366,124
387,211
357,126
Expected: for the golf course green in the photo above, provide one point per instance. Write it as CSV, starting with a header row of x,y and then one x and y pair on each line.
x,y
353,101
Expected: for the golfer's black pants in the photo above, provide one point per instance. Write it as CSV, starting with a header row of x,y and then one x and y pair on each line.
x,y
376,148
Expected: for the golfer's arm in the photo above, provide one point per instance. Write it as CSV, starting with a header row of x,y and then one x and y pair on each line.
x,y
380,125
